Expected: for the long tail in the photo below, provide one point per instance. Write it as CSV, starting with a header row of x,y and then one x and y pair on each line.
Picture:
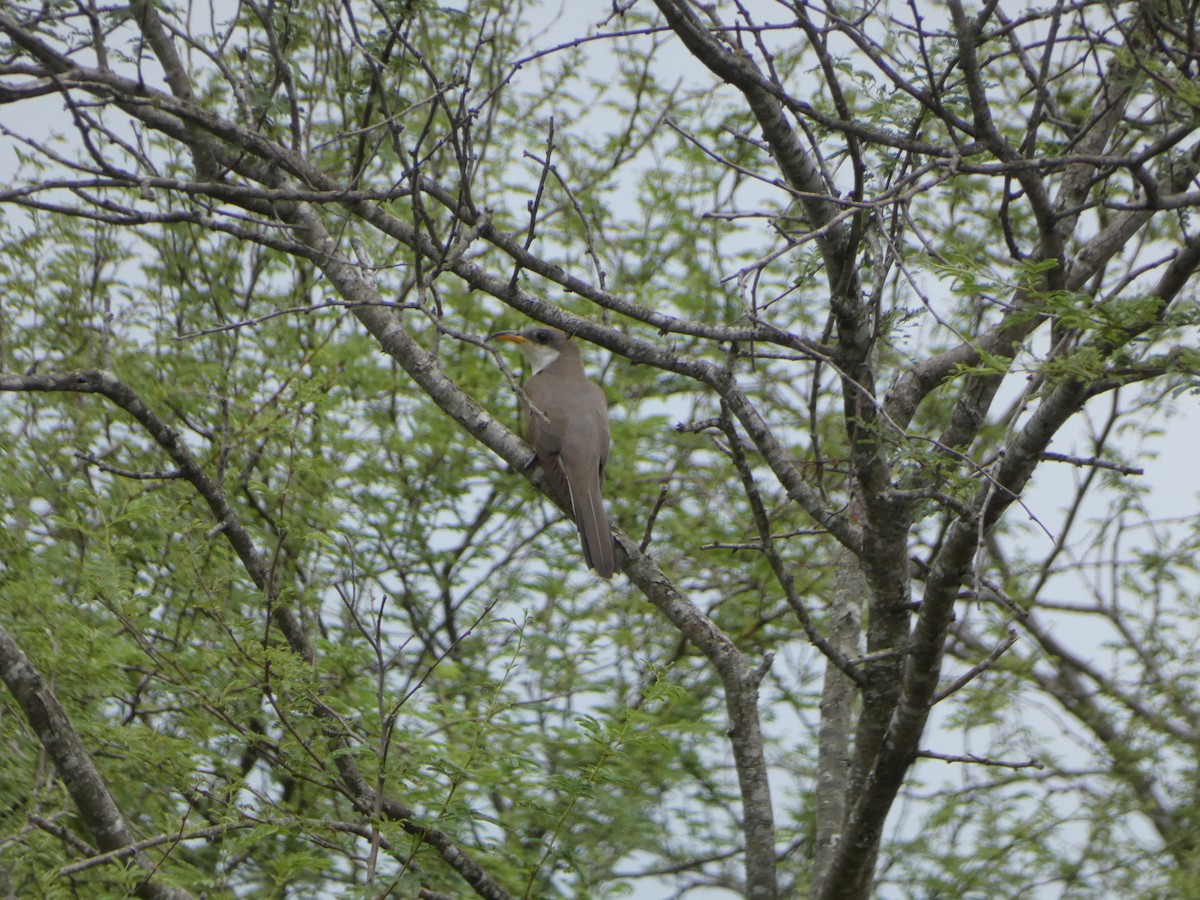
x,y
592,522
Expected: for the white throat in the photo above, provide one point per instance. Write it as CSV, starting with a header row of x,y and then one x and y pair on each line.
x,y
539,355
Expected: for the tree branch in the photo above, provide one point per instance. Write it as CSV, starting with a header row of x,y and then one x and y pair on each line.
x,y
78,772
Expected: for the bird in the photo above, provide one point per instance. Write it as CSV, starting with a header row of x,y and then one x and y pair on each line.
x,y
568,424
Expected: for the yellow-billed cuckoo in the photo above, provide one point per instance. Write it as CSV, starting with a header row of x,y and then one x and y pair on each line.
x,y
569,429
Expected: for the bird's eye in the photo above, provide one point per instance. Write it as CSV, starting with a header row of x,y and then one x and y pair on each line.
x,y
541,336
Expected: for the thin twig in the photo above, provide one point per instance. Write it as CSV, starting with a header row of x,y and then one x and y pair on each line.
x,y
981,760
971,674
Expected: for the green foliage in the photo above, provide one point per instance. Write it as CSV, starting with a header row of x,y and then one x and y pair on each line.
x,y
384,522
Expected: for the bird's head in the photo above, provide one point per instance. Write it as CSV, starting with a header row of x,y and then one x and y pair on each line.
x,y
541,344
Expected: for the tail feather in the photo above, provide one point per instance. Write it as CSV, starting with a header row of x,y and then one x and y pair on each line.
x,y
592,521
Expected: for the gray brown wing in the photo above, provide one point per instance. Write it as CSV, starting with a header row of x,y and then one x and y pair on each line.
x,y
547,444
